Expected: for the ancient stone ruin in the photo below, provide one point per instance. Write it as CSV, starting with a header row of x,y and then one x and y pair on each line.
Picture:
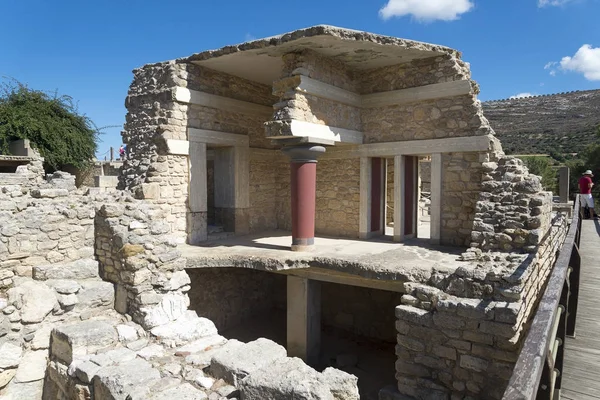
x,y
268,240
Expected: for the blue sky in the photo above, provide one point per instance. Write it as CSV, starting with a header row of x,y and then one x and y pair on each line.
x,y
87,49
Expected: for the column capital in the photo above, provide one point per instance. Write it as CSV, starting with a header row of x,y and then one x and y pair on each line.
x,y
306,153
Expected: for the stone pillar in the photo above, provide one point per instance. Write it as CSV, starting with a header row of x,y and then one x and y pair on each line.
x,y
563,184
303,166
435,209
232,186
399,193
304,319
197,227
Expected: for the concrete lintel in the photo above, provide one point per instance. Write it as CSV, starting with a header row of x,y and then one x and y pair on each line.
x,y
320,89
420,93
304,319
217,138
317,131
184,95
414,147
302,140
178,147
331,276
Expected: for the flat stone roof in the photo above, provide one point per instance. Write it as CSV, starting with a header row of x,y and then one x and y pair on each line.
x,y
413,260
260,60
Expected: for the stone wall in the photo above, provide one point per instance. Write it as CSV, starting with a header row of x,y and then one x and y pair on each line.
x,y
338,198
45,224
138,253
269,193
230,296
361,311
464,338
426,71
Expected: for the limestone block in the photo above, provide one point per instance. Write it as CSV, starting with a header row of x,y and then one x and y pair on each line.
x,y
235,362
184,329
80,339
200,345
126,333
171,307
32,366
150,191
10,355
113,357
65,286
36,300
20,391
86,370
183,391
79,269
287,378
6,376
96,294
49,193
41,340
343,385
132,378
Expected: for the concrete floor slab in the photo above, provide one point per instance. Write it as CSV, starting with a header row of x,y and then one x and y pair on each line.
x,y
378,259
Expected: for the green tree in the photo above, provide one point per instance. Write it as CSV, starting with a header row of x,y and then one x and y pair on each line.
x,y
50,122
542,166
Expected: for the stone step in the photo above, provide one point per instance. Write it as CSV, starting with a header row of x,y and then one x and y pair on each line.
x,y
87,337
184,329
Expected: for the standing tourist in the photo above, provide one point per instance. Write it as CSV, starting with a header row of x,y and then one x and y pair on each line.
x,y
585,190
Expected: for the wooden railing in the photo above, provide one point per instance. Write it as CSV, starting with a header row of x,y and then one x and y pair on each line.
x,y
538,371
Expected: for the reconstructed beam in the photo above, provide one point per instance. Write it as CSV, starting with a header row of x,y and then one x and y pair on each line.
x,y
421,93
195,97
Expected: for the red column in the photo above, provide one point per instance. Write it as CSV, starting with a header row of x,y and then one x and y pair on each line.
x,y
303,181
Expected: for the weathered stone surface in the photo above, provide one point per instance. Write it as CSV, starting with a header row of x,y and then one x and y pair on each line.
x,y
201,344
41,340
86,370
6,376
21,391
183,391
132,378
171,307
32,366
126,333
236,360
81,338
287,378
10,355
37,300
188,327
96,294
343,385
76,270
66,286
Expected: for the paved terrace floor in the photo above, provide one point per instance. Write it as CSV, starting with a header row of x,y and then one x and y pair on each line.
x,y
376,259
581,379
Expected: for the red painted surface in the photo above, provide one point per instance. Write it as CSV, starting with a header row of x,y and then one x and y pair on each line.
x,y
376,193
304,189
410,185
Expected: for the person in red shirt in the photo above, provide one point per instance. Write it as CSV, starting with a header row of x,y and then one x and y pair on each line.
x,y
585,190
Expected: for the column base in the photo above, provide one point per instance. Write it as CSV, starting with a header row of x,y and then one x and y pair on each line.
x,y
303,244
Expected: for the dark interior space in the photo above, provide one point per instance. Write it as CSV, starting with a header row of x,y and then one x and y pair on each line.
x,y
358,324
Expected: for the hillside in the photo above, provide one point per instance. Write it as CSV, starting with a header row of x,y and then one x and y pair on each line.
x,y
562,122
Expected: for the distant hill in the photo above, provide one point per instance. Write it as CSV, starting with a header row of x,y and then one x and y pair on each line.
x,y
563,122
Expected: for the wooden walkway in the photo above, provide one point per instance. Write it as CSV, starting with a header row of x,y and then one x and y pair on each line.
x,y
581,379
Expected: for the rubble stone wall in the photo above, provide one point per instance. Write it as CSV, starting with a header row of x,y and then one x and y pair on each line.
x,y
513,212
139,255
338,198
452,343
426,71
45,224
248,293
269,193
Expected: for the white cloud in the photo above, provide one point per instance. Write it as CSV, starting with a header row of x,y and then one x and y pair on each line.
x,y
426,10
521,95
545,3
586,61
249,37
